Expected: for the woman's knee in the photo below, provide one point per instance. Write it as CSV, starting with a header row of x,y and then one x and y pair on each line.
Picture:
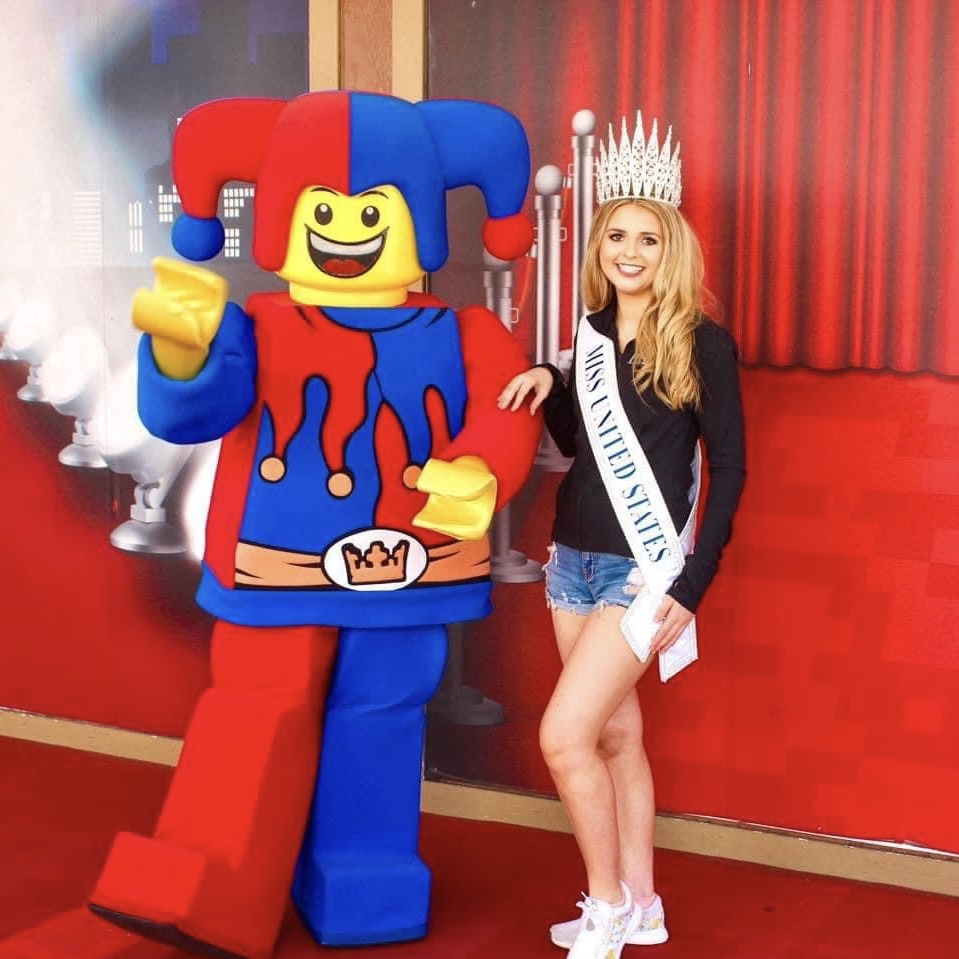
x,y
620,736
562,748
549,740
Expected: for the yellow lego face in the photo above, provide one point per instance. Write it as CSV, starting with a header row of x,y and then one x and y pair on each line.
x,y
351,250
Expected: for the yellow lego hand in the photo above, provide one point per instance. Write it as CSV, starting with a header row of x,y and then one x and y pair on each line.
x,y
182,313
462,497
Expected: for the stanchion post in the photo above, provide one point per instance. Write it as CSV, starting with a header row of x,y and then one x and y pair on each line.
x,y
507,565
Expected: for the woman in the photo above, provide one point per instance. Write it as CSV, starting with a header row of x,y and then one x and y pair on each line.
x,y
676,377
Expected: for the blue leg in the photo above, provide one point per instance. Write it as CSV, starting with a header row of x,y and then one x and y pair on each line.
x,y
360,879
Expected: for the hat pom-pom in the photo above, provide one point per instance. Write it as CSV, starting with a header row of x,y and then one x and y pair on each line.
x,y
197,238
508,238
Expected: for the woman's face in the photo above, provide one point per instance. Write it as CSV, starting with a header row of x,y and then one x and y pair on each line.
x,y
630,251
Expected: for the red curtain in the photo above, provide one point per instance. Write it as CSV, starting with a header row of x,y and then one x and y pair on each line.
x,y
820,141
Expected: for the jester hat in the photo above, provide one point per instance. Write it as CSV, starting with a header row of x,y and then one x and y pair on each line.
x,y
349,142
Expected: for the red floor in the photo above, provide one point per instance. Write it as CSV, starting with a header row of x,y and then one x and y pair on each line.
x,y
497,887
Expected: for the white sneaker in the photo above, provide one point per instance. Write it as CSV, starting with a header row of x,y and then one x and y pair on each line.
x,y
649,929
603,928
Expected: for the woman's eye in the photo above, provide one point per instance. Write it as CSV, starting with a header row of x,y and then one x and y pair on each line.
x,y
370,216
323,214
616,237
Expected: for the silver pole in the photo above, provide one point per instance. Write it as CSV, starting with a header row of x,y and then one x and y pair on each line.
x,y
584,122
455,702
498,287
549,209
549,235
507,565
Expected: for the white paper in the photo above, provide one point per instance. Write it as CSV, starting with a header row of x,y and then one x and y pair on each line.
x,y
638,625
680,655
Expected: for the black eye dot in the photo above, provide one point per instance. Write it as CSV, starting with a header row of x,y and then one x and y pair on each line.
x,y
323,213
370,216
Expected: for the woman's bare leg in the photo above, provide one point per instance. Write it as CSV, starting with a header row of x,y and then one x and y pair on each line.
x,y
621,745
600,669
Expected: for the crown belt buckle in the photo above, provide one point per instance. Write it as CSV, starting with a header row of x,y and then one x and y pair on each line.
x,y
375,560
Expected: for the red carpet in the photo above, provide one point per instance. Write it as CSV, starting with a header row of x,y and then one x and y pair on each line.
x,y
497,887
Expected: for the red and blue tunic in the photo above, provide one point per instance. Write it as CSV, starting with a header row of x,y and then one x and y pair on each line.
x,y
326,416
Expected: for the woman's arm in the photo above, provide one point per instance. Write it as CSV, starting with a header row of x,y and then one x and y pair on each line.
x,y
559,412
721,425
543,385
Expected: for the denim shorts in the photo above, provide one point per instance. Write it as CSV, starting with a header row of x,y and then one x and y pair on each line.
x,y
582,582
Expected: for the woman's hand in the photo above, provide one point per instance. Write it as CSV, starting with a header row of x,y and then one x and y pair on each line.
x,y
537,381
674,618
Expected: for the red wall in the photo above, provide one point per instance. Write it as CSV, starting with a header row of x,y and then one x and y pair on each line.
x,y
825,697
89,632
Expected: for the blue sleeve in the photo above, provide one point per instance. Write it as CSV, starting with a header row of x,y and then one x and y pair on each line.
x,y
215,400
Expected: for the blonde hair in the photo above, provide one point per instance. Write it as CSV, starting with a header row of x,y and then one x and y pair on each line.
x,y
664,356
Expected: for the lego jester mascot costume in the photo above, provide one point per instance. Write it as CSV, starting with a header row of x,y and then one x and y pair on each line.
x,y
363,455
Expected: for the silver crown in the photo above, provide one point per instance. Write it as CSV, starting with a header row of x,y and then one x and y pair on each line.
x,y
639,168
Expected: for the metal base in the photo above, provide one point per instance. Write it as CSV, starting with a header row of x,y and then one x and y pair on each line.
x,y
515,567
134,536
466,706
82,457
31,393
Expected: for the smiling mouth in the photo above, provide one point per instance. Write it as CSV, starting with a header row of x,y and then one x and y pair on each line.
x,y
344,260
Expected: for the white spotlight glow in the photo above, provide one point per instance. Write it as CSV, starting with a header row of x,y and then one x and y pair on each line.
x,y
196,497
30,338
123,441
73,377
9,304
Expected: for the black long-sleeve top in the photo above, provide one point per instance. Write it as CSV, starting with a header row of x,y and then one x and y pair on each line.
x,y
585,519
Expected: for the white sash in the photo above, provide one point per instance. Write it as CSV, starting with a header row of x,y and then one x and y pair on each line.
x,y
636,498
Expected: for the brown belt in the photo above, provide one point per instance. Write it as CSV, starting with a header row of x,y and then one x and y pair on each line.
x,y
277,568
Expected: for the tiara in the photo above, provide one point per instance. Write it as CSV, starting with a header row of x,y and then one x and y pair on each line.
x,y
638,169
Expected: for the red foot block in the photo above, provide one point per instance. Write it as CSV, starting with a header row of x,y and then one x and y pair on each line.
x,y
167,894
149,879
